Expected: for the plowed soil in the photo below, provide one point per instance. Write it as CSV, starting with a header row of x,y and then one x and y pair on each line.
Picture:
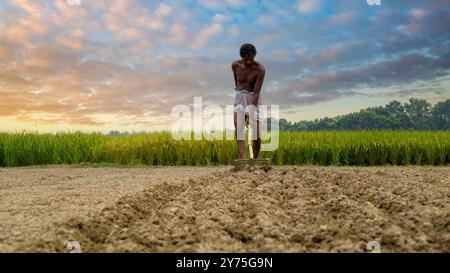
x,y
190,209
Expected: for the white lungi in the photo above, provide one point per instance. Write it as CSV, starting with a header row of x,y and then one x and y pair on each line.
x,y
243,107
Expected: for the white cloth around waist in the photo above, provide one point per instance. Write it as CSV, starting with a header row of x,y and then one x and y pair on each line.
x,y
243,99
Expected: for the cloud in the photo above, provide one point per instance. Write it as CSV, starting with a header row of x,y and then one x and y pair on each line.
x,y
342,18
75,40
267,20
220,4
308,6
220,18
15,34
203,36
34,8
330,85
163,10
129,62
178,34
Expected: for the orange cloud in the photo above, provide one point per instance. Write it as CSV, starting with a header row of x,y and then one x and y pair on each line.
x,y
34,8
76,40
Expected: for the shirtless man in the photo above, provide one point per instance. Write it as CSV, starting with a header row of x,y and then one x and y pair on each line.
x,y
248,77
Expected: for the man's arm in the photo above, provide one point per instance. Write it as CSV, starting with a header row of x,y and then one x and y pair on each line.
x,y
233,67
258,85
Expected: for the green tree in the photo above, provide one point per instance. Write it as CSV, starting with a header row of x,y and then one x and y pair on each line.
x,y
440,115
395,107
419,112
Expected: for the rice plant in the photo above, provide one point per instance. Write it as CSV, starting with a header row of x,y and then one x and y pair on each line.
x,y
339,148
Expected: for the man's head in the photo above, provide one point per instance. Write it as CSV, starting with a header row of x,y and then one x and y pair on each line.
x,y
248,53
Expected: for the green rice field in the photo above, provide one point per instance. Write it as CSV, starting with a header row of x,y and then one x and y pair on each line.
x,y
360,148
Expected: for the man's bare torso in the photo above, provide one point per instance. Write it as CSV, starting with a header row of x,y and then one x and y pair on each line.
x,y
245,77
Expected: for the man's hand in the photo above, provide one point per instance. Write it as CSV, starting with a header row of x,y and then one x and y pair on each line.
x,y
255,98
258,85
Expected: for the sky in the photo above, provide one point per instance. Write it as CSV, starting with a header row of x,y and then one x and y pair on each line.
x,y
125,64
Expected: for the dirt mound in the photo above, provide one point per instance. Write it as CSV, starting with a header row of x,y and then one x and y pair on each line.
x,y
307,209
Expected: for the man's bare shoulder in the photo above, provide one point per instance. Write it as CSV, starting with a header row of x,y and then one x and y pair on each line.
x,y
260,66
240,63
236,63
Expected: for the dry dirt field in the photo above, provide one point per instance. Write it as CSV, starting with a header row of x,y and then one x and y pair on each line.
x,y
212,209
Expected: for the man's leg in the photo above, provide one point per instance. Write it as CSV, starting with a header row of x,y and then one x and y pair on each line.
x,y
254,125
240,143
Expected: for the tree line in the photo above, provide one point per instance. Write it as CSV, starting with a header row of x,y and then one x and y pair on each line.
x,y
416,114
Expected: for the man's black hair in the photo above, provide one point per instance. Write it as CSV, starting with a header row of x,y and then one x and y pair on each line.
x,y
246,49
